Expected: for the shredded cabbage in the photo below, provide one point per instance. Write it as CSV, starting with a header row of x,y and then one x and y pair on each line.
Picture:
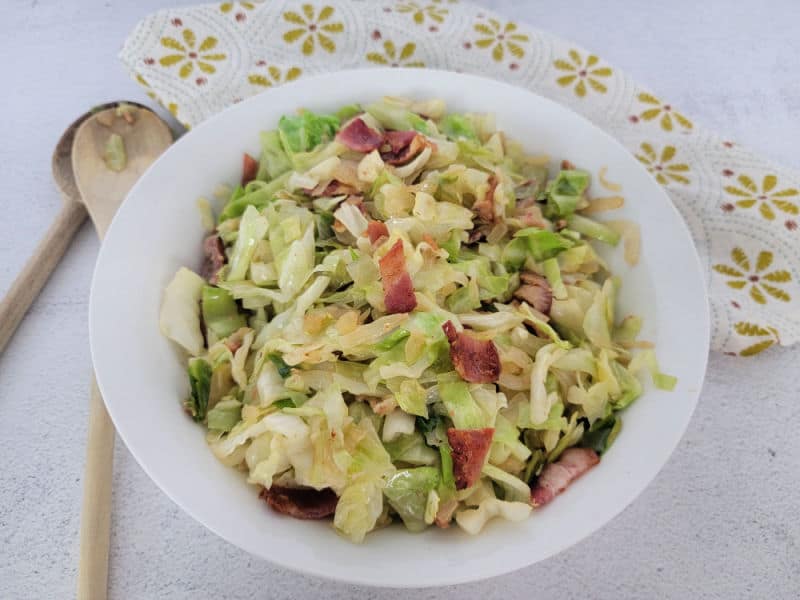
x,y
317,353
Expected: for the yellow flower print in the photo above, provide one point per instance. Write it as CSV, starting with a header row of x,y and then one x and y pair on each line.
x,y
274,76
312,27
188,55
227,7
744,328
392,58
667,113
662,167
759,279
239,15
581,73
143,82
500,38
433,12
749,195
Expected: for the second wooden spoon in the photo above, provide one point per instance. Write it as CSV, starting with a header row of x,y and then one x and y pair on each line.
x,y
144,136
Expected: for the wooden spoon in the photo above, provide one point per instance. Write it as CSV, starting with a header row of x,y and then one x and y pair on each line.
x,y
144,136
54,244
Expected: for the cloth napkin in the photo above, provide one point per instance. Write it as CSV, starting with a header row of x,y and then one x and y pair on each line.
x,y
742,210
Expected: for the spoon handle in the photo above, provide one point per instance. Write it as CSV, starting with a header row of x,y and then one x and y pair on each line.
x,y
37,270
96,509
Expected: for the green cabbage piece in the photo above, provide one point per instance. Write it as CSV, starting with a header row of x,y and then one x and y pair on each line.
x,y
462,408
647,360
220,313
273,161
200,383
458,127
407,492
553,274
259,197
392,339
396,116
298,263
593,229
411,449
304,132
225,415
564,192
114,155
514,489
252,230
602,434
506,434
179,319
544,244
361,502
348,111
411,397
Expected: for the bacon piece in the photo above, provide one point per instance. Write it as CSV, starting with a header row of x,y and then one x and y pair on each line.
x,y
477,361
214,251
376,230
360,137
485,208
398,140
567,164
301,503
249,168
536,291
398,290
402,146
556,476
469,448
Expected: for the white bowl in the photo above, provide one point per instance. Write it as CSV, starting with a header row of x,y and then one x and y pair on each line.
x,y
143,380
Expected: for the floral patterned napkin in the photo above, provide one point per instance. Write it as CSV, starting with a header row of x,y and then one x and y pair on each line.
x,y
742,210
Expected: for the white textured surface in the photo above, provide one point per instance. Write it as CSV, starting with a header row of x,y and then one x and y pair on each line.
x,y
720,521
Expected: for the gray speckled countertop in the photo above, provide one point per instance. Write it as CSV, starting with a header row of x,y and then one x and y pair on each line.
x,y
722,520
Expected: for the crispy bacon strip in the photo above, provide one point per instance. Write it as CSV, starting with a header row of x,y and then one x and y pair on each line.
x,y
398,140
402,146
249,168
469,448
376,230
536,291
214,251
360,137
398,290
477,361
557,476
301,503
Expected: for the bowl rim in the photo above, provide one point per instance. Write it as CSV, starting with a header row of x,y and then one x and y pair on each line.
x,y
457,576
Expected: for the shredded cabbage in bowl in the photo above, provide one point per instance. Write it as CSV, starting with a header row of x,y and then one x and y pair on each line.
x,y
400,316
